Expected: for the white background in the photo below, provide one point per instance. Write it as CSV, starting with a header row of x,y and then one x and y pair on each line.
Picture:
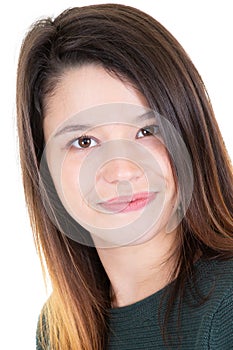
x,y
205,30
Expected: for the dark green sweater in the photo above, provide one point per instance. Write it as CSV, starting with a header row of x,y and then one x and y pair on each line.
x,y
206,327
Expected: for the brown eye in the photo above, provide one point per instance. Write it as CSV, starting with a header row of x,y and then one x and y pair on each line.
x,y
149,130
83,142
145,132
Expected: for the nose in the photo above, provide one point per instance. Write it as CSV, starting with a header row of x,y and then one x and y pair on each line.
x,y
118,170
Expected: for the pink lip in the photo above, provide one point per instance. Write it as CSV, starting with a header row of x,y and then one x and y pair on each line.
x,y
126,204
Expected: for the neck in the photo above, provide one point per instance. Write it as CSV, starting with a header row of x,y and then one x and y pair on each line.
x,y
138,271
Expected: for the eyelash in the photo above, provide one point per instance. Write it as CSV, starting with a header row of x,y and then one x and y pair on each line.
x,y
84,136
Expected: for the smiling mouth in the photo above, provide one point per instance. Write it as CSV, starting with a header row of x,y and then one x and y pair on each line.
x,y
126,204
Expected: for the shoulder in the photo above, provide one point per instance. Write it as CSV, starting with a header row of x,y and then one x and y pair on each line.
x,y
215,281
221,330
217,274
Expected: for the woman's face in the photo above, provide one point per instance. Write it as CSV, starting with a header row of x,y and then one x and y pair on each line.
x,y
116,181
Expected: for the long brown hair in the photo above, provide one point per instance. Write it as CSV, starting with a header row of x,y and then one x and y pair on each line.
x,y
137,49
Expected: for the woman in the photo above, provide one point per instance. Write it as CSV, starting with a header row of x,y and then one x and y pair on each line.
x,y
134,219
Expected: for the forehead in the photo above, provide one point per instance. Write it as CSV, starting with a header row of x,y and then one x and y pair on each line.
x,y
83,88
115,113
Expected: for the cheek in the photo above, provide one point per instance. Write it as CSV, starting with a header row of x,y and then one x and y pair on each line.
x,y
70,183
161,156
65,174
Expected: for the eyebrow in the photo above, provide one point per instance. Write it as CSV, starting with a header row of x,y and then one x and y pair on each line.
x,y
79,127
